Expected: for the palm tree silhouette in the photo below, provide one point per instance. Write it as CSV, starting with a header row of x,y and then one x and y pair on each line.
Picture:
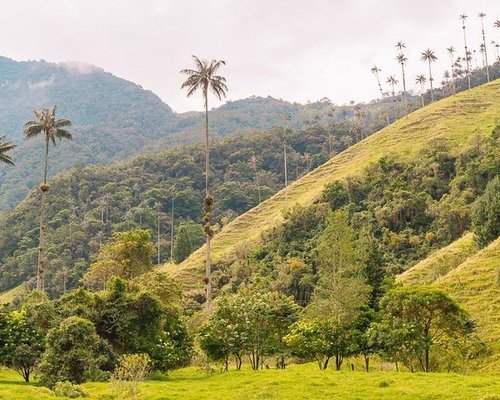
x,y
375,71
481,16
463,17
401,59
5,147
421,79
391,80
429,56
204,77
51,128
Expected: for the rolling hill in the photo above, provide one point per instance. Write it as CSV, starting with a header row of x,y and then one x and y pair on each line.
x,y
455,120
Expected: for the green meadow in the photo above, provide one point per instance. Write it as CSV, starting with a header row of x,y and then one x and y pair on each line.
x,y
295,382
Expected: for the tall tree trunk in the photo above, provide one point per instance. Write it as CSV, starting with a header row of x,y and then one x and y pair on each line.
x,y
208,262
382,94
172,233
285,164
430,80
485,52
404,88
41,251
466,55
158,235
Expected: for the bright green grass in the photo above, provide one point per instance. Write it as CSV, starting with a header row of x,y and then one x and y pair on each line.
x,y
455,120
296,382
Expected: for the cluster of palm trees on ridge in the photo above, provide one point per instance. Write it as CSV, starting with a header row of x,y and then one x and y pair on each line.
x,y
428,56
51,129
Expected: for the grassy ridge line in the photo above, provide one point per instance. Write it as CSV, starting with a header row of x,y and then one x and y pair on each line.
x,y
440,262
475,284
455,119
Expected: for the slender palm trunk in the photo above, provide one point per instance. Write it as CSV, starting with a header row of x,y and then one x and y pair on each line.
x,y
422,94
430,80
286,169
466,56
382,94
208,263
452,76
172,232
41,239
158,235
485,53
404,88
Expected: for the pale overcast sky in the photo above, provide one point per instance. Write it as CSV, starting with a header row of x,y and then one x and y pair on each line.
x,y
298,50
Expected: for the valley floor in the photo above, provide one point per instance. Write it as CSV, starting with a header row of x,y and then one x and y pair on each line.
x,y
296,382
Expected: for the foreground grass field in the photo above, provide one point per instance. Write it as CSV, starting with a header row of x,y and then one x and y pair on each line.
x,y
456,120
296,382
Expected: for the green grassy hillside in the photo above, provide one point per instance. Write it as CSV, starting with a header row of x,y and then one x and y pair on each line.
x,y
295,382
454,120
440,262
470,276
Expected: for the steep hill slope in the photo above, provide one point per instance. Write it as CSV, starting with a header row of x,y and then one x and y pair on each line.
x,y
440,263
472,277
454,120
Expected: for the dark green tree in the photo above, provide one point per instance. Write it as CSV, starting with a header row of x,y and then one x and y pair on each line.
x,y
486,214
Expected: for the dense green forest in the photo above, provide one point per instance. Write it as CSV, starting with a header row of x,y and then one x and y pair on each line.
x,y
400,212
89,203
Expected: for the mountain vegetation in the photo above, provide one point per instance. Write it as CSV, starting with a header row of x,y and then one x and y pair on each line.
x,y
103,200
114,119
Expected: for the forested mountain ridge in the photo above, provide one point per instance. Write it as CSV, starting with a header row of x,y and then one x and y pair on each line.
x,y
89,203
114,119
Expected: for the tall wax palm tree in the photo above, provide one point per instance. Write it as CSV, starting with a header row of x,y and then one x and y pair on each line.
x,y
375,71
51,128
451,52
421,79
205,77
463,17
401,59
429,56
482,15
5,147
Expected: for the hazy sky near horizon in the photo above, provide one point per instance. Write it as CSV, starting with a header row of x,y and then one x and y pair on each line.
x,y
298,50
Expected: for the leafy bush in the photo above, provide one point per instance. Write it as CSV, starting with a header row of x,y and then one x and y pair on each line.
x,y
132,369
67,389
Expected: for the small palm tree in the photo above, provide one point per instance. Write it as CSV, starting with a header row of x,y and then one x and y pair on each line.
x,y
481,16
429,56
5,147
421,79
205,77
391,80
51,128
375,71
463,17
